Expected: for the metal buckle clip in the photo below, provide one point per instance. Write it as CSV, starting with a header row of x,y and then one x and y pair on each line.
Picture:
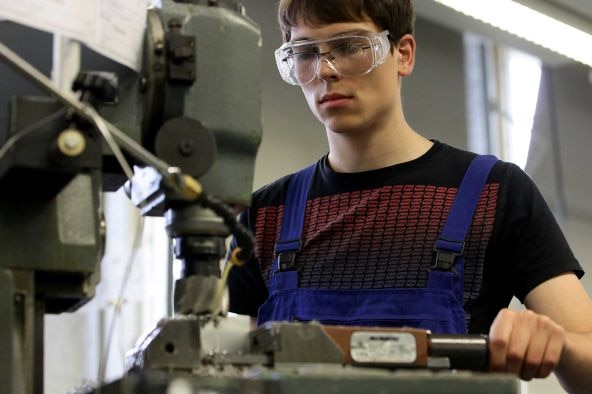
x,y
286,254
286,261
445,258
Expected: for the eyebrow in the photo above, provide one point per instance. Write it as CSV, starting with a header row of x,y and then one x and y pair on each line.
x,y
344,33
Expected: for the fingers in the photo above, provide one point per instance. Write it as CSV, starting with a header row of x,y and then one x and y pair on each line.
x,y
525,343
533,357
499,340
553,351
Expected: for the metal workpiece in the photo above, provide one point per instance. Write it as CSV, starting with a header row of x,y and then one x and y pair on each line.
x,y
292,358
310,358
317,379
174,344
387,347
283,357
296,343
184,344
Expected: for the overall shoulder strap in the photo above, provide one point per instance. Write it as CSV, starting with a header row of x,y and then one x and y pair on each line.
x,y
294,206
451,240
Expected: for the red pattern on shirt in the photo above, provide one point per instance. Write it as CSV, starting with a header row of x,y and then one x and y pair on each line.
x,y
377,238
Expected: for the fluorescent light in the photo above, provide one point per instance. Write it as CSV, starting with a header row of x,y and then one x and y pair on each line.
x,y
530,25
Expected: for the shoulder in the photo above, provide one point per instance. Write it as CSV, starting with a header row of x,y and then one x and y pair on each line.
x,y
457,161
273,193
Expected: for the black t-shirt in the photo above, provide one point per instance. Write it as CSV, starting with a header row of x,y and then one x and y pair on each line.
x,y
376,229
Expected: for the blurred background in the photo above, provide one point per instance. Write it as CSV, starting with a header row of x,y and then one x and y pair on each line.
x,y
477,86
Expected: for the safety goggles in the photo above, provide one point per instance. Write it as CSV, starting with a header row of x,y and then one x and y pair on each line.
x,y
349,55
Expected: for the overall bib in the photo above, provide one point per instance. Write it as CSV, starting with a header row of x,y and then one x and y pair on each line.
x,y
437,307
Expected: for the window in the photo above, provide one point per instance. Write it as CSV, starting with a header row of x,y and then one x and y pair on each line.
x,y
502,91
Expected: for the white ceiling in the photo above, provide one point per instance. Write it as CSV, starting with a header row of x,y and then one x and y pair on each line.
x,y
582,7
574,12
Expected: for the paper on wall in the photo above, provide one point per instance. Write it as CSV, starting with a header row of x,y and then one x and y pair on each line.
x,y
114,28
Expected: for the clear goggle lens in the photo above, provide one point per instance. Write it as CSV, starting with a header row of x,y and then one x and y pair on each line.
x,y
349,55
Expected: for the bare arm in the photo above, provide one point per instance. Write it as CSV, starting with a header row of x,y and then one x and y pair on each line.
x,y
555,334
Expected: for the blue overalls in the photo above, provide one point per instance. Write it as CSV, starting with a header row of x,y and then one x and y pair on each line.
x,y
437,307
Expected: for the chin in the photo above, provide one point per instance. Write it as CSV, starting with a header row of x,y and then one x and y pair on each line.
x,y
342,124
344,128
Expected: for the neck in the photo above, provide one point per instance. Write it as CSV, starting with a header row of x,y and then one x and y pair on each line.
x,y
356,152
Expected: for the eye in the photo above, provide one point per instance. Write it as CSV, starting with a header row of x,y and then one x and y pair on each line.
x,y
349,50
304,56
297,49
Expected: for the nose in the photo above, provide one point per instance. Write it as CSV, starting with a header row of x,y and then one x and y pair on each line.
x,y
325,69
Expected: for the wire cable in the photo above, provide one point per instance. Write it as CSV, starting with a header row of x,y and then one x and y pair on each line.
x,y
28,130
104,357
244,239
104,129
234,261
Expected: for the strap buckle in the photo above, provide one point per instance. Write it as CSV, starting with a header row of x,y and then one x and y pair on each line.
x,y
286,261
286,254
445,257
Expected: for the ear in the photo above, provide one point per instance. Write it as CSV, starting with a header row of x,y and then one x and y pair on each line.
x,y
405,51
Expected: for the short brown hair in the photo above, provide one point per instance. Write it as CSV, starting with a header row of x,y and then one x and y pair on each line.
x,y
396,16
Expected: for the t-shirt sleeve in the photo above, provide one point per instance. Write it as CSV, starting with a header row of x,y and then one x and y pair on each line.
x,y
246,286
534,246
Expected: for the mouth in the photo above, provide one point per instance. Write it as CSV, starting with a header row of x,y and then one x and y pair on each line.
x,y
334,99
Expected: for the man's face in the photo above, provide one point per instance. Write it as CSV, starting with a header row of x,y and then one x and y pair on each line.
x,y
351,104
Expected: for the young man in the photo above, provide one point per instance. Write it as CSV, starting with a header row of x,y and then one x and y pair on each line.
x,y
390,228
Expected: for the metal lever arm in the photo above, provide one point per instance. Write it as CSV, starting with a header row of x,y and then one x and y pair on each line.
x,y
82,109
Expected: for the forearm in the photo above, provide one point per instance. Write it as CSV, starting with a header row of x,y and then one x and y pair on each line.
x,y
574,370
